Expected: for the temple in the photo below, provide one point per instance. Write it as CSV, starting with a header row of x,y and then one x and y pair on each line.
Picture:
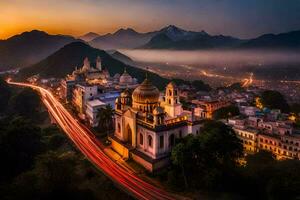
x,y
147,124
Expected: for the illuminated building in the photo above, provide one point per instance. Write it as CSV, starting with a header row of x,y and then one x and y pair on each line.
x,y
92,110
81,94
205,109
278,137
248,137
126,81
146,127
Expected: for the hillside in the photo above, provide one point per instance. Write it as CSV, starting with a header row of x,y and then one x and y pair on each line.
x,y
65,60
121,57
29,47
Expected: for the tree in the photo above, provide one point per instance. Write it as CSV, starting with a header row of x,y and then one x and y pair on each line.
x,y
105,118
20,142
201,86
207,160
26,103
274,100
226,112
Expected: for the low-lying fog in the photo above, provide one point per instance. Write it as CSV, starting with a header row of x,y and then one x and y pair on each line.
x,y
213,57
219,67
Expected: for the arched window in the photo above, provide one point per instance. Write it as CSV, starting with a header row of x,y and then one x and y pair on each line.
x,y
150,141
170,93
175,92
161,141
119,128
169,101
171,140
141,139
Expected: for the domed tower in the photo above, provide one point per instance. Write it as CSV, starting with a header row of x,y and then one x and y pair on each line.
x,y
86,65
125,78
172,105
145,97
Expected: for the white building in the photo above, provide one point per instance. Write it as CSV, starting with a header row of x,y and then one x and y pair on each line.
x,y
81,94
92,110
146,128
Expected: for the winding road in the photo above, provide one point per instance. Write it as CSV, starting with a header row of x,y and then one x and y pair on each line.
x,y
90,147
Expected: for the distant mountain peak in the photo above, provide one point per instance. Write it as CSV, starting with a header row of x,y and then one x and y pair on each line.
x,y
89,36
125,31
175,33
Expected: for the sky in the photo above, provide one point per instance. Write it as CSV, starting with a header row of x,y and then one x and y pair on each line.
x,y
239,18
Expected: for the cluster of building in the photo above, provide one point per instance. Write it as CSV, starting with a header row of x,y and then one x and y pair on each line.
x,y
90,88
147,121
268,130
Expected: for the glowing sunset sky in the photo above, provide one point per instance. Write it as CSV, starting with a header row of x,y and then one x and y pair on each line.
x,y
242,18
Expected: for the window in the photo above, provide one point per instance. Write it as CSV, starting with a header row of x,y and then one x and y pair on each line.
x,y
161,141
175,92
180,134
171,140
170,93
169,101
141,139
149,140
119,128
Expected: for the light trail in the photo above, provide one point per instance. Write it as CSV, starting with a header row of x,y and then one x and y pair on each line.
x,y
90,147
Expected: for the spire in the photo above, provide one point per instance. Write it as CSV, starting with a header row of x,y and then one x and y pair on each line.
x,y
147,68
98,63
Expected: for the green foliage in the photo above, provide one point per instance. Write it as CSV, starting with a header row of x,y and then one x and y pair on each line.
x,y
205,161
295,108
274,100
270,179
226,112
105,119
20,142
201,86
25,103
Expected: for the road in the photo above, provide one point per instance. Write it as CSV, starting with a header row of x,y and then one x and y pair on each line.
x,y
89,146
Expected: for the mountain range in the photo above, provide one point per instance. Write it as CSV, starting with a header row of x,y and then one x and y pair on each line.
x,y
89,36
64,61
172,37
29,47
122,39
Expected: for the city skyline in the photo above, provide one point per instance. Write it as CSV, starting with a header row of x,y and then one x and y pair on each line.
x,y
239,19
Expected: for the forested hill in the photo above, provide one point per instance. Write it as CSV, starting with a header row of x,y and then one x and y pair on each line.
x,y
64,61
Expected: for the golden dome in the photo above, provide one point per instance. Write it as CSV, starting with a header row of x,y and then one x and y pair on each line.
x,y
145,93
